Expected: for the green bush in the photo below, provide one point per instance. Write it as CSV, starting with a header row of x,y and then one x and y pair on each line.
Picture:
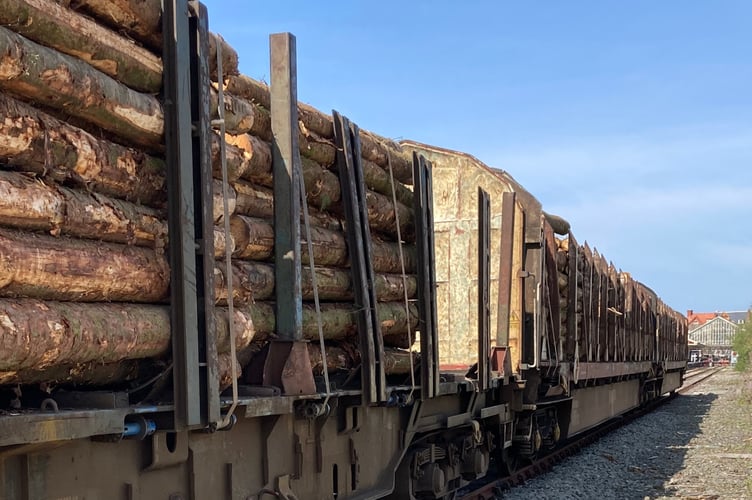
x,y
742,344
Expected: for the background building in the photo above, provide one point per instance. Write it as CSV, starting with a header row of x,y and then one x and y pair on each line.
x,y
715,330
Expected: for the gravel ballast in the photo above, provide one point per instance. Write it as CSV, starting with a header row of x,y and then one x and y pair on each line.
x,y
697,446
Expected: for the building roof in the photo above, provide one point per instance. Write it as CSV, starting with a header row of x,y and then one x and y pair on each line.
x,y
695,319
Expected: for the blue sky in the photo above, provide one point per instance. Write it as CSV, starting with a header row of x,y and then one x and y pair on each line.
x,y
632,119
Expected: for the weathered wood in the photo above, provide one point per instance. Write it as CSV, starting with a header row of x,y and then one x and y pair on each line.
x,y
338,319
333,284
72,86
50,24
218,208
35,141
51,268
254,240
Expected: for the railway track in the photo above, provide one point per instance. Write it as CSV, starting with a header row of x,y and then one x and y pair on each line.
x,y
494,489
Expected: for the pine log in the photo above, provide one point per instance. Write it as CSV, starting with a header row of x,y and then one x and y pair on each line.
x,y
218,208
256,157
259,169
34,141
332,284
339,320
224,369
220,242
243,117
33,204
38,334
346,356
47,23
258,201
72,86
254,240
374,148
142,20
45,267
84,374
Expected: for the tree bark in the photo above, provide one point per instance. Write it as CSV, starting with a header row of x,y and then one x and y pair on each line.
x,y
44,267
72,86
254,240
34,141
374,148
346,356
338,319
85,374
258,201
32,204
39,334
142,20
333,284
47,23
256,158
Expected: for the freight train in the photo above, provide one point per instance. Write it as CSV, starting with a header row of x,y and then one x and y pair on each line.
x,y
210,290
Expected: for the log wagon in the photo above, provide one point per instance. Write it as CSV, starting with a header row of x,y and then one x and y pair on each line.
x,y
211,290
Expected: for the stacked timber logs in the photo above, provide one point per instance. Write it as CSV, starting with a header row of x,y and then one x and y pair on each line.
x,y
608,316
84,278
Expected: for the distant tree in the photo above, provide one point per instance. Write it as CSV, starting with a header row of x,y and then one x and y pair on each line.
x,y
742,345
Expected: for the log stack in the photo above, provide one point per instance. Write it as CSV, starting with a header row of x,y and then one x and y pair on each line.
x,y
84,277
614,315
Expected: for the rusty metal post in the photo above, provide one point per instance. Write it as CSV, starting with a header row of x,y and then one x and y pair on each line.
x,y
505,269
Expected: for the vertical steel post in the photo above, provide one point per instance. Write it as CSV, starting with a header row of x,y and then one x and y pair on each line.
x,y
188,173
287,363
484,283
286,166
505,269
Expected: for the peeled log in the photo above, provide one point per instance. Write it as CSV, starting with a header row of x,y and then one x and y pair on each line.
x,y
35,141
45,267
47,23
72,86
339,320
333,284
254,240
